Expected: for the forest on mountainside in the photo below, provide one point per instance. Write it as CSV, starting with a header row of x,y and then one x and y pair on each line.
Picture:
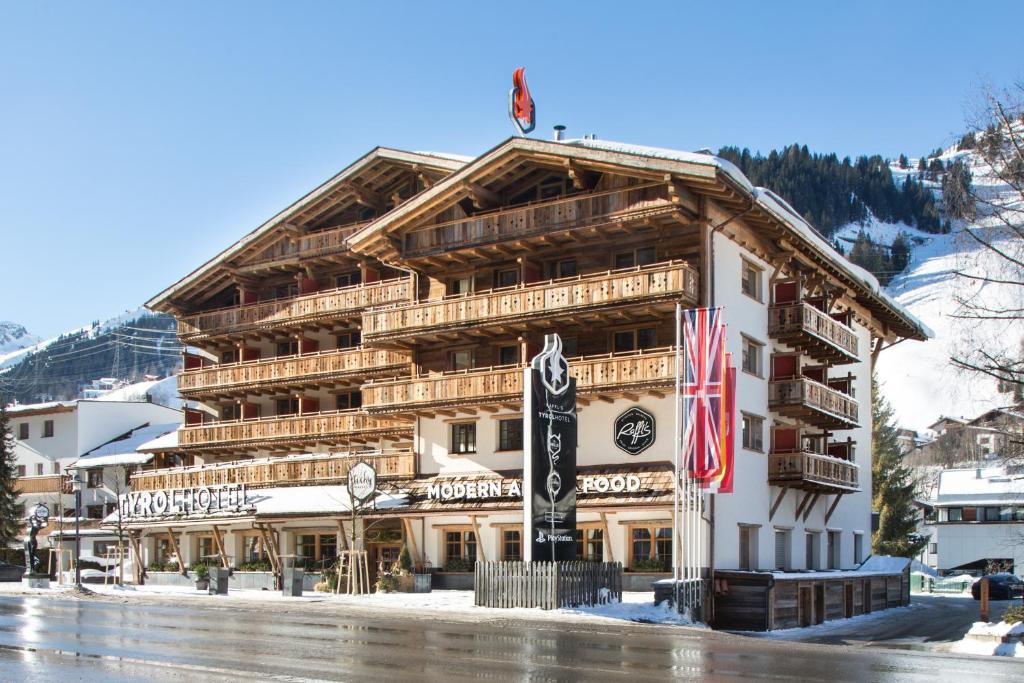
x,y
126,351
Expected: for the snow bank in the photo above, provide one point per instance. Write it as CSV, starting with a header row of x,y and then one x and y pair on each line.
x,y
987,639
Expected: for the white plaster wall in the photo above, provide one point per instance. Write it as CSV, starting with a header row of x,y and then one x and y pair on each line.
x,y
959,544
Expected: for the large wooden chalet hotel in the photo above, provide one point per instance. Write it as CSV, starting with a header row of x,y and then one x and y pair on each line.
x,y
387,315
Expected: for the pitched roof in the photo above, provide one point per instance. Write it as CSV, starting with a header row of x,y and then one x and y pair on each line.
x,y
123,450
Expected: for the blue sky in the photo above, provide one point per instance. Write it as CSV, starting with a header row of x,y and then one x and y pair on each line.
x,y
138,139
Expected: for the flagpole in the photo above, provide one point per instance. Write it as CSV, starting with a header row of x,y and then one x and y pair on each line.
x,y
676,527
687,521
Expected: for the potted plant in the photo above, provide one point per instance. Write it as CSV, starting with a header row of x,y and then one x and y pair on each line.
x,y
202,574
404,573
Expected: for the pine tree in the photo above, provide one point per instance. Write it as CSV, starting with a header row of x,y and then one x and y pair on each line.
x,y
904,162
899,253
892,490
922,164
956,191
11,511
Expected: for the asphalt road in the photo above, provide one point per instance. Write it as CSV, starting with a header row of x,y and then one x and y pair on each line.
x,y
96,640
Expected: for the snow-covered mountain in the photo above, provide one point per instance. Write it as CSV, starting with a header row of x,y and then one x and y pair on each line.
x,y
918,378
14,338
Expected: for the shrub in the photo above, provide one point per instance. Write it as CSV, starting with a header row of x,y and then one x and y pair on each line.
x,y
387,583
405,560
1014,614
254,567
649,566
457,564
201,571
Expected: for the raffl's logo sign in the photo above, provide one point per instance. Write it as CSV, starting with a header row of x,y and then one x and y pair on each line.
x,y
634,431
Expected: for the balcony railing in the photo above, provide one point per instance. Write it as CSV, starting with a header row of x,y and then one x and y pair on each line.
x,y
671,281
312,367
291,470
812,471
599,208
820,335
813,402
610,373
312,245
330,425
49,483
294,309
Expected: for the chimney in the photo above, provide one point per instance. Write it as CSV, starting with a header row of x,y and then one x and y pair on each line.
x,y
559,130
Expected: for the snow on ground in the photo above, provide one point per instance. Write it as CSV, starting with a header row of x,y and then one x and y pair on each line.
x,y
635,606
986,639
163,391
862,620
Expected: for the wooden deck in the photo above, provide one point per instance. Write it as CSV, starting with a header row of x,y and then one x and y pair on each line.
x,y
48,483
302,248
813,402
541,218
816,333
332,426
296,310
307,369
651,370
307,470
812,472
661,283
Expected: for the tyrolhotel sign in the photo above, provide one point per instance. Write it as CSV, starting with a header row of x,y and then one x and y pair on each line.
x,y
601,483
195,501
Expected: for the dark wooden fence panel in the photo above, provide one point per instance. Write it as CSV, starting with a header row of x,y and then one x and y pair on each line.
x,y
547,585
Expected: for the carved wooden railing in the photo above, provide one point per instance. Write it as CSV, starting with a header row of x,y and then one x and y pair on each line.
x,y
295,309
291,470
289,428
48,483
599,208
311,245
633,371
307,367
674,280
805,394
803,318
813,469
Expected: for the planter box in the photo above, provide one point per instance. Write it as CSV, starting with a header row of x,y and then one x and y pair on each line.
x,y
414,583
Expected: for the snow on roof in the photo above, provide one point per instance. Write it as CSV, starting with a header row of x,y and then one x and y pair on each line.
x,y
124,449
41,407
979,485
165,442
884,563
312,500
703,158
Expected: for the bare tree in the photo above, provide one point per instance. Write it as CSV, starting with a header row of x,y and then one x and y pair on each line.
x,y
115,481
991,275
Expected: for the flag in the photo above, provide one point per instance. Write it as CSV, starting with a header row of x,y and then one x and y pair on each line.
x,y
721,480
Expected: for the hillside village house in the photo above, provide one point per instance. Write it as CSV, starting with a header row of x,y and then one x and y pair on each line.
x,y
387,316
51,438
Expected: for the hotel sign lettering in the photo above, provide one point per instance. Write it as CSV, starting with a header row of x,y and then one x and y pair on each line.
x,y
195,501
473,490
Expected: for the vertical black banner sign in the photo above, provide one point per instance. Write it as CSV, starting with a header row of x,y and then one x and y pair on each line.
x,y
551,410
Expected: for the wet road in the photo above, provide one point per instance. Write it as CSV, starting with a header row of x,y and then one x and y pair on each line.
x,y
68,639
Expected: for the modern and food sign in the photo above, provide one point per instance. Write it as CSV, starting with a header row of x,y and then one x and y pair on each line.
x,y
549,467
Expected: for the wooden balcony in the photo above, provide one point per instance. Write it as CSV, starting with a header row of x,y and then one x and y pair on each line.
x,y
295,310
812,472
293,251
656,286
49,483
520,223
299,470
814,332
651,371
813,403
340,426
308,369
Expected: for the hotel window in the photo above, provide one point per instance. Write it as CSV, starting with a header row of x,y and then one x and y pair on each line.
x,y
305,548
858,548
460,285
287,406
833,549
348,279
506,278
23,430
991,514
229,356
508,355
459,550
748,546
253,549
590,544
510,435
460,360
288,348
511,545
349,340
163,550
39,469
570,347
56,468
933,548
782,548
635,257
94,511
464,437
284,291
752,353
753,433
349,400
104,549
206,548
633,340
651,548
48,428
812,541
563,268
231,411
94,478
750,282
21,470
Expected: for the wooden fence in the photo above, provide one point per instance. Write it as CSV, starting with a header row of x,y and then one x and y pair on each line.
x,y
547,585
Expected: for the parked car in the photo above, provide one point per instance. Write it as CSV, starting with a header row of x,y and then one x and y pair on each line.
x,y
11,572
1000,587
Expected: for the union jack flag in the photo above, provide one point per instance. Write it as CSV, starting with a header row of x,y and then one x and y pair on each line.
x,y
705,407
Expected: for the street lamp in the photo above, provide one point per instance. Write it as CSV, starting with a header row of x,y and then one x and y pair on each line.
x,y
76,486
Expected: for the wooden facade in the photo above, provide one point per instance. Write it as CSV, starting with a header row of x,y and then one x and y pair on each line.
x,y
48,483
813,402
328,426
